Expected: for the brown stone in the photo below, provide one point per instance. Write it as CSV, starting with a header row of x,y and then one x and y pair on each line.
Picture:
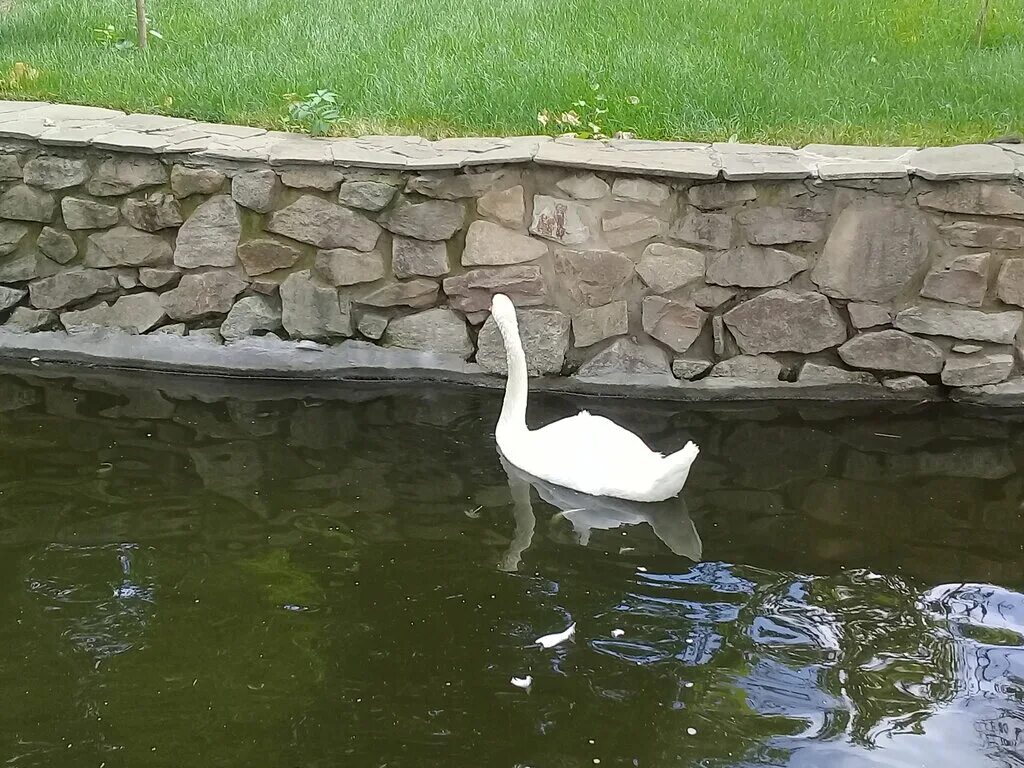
x,y
673,323
786,321
266,255
472,291
593,278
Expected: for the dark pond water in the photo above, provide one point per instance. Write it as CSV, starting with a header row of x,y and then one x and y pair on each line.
x,y
346,576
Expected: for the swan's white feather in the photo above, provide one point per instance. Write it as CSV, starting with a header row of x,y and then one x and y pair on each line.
x,y
585,453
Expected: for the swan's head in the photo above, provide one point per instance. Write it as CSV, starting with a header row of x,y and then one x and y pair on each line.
x,y
503,310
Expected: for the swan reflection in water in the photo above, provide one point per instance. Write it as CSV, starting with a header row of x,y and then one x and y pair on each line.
x,y
669,519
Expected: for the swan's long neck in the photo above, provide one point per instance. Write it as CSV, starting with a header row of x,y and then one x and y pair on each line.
x,y
513,410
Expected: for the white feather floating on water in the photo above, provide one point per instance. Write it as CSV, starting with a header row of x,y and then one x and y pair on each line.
x,y
550,641
617,633
522,682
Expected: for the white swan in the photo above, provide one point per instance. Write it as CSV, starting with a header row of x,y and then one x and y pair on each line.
x,y
585,453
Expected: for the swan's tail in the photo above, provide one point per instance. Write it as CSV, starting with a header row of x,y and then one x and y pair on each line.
x,y
675,470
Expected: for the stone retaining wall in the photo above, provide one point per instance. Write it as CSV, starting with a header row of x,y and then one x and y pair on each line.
x,y
890,269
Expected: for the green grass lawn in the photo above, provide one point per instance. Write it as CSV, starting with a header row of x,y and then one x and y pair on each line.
x,y
783,71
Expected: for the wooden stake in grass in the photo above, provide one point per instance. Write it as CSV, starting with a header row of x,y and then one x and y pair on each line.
x,y
979,30
140,21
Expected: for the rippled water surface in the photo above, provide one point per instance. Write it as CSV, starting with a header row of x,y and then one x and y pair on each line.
x,y
213,573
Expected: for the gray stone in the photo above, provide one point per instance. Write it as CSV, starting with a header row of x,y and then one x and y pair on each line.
x,y
210,236
892,350
868,315
676,324
859,170
70,287
712,296
50,172
122,175
819,373
27,266
154,212
507,206
206,335
962,280
745,162
25,320
430,220
971,324
57,245
457,186
590,326
975,161
690,366
127,277
976,234
593,278
904,383
313,310
872,253
563,221
137,313
710,197
88,214
489,244
267,255
749,367
372,324
750,266
786,321
159,277
977,199
665,268
10,296
325,225
416,293
249,315
255,190
636,190
629,228
10,168
312,177
545,336
976,370
126,247
174,329
367,195
11,235
200,294
472,291
1010,282
187,181
437,330
777,225
77,321
709,230
967,349
585,186
24,203
720,336
343,266
411,258
624,357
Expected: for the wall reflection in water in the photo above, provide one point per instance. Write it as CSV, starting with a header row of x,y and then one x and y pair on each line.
x,y
307,574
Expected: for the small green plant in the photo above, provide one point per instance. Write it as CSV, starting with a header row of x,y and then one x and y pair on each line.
x,y
586,118
316,113
120,38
